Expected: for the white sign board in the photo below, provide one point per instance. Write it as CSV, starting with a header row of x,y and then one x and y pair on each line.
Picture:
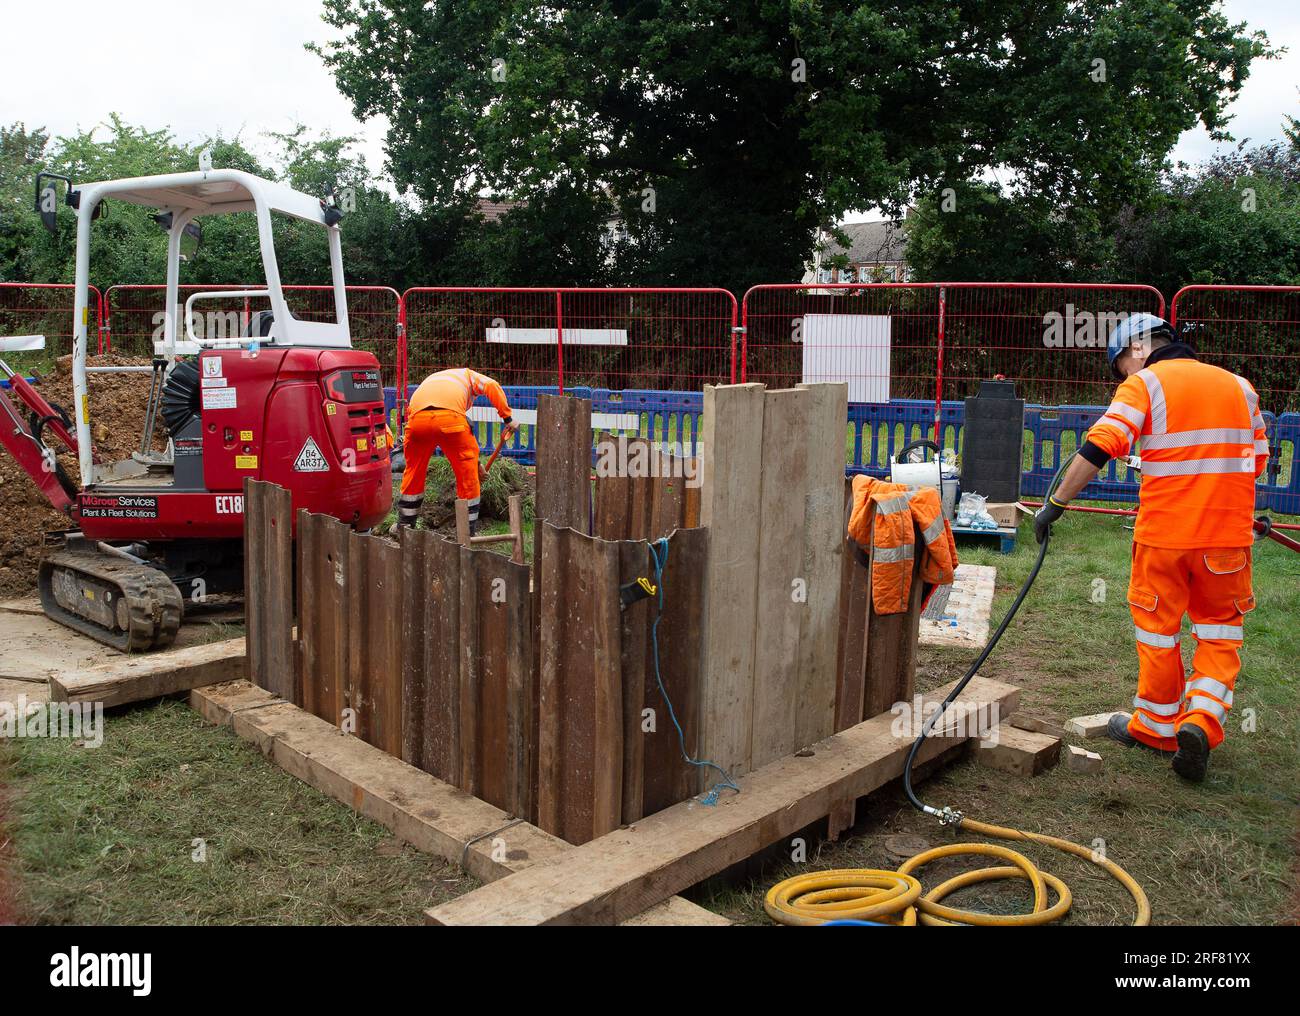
x,y
547,337
528,417
848,347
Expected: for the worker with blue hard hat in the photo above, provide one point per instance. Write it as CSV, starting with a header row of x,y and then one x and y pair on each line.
x,y
1137,331
1203,445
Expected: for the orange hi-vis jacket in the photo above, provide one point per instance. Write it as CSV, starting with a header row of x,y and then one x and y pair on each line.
x,y
456,389
898,511
1202,446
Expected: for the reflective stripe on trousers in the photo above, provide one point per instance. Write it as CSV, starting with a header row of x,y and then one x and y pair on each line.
x,y
1212,585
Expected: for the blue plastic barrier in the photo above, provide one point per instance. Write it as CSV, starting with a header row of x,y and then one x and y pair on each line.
x,y
875,432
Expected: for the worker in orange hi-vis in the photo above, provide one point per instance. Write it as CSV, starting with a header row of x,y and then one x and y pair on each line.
x,y
1203,444
437,417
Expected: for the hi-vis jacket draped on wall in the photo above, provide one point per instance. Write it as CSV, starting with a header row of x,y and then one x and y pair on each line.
x,y
883,522
1202,443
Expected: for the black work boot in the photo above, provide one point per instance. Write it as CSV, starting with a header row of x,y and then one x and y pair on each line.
x,y
1117,730
1193,755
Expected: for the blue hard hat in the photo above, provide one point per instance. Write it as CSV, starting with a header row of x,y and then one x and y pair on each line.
x,y
1135,326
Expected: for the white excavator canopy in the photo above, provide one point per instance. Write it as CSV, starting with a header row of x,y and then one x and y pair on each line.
x,y
187,196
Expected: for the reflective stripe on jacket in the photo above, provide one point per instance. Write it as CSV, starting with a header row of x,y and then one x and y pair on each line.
x,y
1202,443
898,512
456,389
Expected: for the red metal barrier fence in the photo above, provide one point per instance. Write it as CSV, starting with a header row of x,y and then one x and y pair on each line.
x,y
675,339
1253,331
938,340
40,308
897,340
134,316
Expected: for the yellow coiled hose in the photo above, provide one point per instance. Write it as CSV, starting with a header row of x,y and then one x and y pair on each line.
x,y
895,897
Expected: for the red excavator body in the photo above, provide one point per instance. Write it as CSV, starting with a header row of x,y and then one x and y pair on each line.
x,y
310,420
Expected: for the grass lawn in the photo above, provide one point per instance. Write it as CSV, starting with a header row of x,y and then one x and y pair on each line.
x,y
1222,852
107,835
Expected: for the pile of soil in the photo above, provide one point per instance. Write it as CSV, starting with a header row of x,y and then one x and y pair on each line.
x,y
118,403
506,478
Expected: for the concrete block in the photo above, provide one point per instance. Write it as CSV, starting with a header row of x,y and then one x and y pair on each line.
x,y
1081,760
1089,726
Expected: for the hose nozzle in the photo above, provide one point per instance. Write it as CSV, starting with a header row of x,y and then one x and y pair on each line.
x,y
946,815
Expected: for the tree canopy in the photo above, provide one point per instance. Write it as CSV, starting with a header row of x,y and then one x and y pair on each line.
x,y
128,247
1233,220
726,131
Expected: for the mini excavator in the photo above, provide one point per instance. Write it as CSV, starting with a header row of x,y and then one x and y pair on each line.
x,y
281,399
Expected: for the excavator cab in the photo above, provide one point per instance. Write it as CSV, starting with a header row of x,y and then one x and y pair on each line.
x,y
279,398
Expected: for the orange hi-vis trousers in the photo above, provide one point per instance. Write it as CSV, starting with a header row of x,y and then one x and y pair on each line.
x,y
449,431
1212,586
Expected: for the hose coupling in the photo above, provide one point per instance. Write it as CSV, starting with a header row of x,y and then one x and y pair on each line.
x,y
950,817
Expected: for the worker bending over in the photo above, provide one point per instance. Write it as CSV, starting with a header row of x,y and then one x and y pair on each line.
x,y
1202,446
437,417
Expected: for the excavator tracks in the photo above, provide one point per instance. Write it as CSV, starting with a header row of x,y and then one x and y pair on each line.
x,y
131,607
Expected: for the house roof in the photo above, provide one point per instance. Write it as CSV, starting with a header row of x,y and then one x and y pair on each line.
x,y
494,210
869,242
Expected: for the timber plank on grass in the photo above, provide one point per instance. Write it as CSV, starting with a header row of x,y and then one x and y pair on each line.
x,y
580,710
611,878
422,810
268,587
325,609
138,677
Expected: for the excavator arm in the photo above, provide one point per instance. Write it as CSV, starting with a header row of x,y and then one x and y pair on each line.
x,y
23,434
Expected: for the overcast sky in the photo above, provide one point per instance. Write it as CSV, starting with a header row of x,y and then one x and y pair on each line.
x,y
239,67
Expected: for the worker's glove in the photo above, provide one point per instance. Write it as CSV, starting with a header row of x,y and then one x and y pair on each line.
x,y
1046,515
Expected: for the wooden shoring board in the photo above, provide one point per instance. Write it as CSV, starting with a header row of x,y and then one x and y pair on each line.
x,y
580,708
851,656
732,439
268,587
496,682
422,810
855,594
667,777
641,492
783,482
431,654
374,685
823,548
136,678
325,608
623,872
563,441
877,655
891,646
637,672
